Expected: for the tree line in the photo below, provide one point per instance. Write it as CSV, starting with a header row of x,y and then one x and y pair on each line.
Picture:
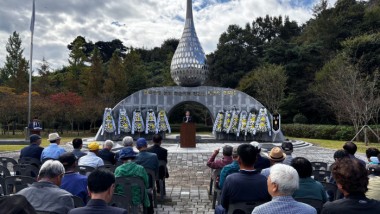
x,y
324,71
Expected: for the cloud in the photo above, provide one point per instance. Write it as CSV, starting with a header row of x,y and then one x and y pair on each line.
x,y
138,23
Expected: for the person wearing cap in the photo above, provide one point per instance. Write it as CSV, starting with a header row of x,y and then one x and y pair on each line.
x,y
101,185
245,186
72,181
229,168
129,168
91,159
33,150
261,161
282,182
106,154
276,155
287,147
145,158
53,151
220,163
126,142
77,145
45,194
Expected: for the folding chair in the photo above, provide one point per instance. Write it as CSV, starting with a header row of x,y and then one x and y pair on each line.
x,y
26,170
317,204
162,168
78,202
321,175
243,207
109,167
32,161
119,201
319,166
5,161
214,173
84,170
152,184
332,191
126,184
4,172
16,183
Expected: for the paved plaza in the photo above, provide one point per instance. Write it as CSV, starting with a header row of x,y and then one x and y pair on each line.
x,y
188,185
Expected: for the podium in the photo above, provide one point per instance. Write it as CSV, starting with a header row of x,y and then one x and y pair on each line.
x,y
35,131
187,135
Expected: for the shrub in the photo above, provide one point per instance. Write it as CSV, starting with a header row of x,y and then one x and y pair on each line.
x,y
300,118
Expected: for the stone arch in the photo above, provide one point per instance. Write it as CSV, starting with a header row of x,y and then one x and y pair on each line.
x,y
165,98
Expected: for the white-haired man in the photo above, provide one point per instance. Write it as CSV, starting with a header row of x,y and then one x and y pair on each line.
x,y
45,195
283,180
106,154
126,142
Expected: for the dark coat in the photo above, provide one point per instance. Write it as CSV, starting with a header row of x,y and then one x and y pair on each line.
x,y
97,206
162,154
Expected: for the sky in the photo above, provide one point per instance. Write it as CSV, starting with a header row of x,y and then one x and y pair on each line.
x,y
137,23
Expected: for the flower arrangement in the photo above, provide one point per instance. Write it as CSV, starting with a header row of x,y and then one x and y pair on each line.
x,y
108,122
234,122
163,123
218,124
137,122
150,122
251,123
124,122
262,122
227,121
242,123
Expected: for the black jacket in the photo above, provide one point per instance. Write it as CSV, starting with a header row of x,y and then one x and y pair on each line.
x,y
97,206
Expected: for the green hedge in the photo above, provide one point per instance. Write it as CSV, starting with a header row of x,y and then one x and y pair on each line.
x,y
330,132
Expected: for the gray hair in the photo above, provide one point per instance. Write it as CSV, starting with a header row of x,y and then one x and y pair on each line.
x,y
286,177
109,143
51,169
127,141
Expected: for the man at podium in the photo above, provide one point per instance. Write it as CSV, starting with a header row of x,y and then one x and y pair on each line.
x,y
187,118
35,126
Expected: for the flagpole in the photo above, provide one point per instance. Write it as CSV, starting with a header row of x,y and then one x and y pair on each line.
x,y
31,62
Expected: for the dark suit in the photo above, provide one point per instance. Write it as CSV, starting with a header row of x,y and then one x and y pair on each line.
x,y
162,154
107,155
188,119
31,151
34,125
97,206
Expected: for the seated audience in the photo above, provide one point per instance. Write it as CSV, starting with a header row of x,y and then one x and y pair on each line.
x,y
282,183
34,150
15,204
261,161
372,154
351,178
53,151
129,168
374,182
339,154
45,194
91,159
246,185
287,147
162,155
77,145
106,154
145,158
308,187
226,159
126,142
72,181
351,148
101,185
276,155
230,168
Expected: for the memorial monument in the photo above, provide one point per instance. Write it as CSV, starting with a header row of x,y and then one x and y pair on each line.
x,y
236,115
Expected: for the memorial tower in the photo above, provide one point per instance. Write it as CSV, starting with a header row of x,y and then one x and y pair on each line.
x,y
189,66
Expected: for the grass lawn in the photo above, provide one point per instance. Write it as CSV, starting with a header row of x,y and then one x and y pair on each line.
x,y
65,138
335,144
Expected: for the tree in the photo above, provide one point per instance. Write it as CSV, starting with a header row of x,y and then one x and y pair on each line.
x,y
43,83
93,77
15,72
136,73
354,97
267,83
115,86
